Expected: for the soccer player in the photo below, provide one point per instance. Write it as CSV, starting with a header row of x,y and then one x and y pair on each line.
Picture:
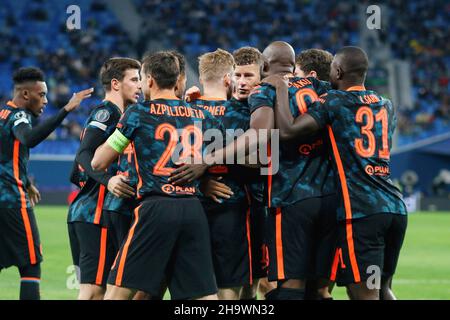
x,y
119,210
262,118
297,206
94,239
247,74
228,218
316,63
299,195
372,215
19,237
169,237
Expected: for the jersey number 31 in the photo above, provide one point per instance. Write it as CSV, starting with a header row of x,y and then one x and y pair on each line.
x,y
365,116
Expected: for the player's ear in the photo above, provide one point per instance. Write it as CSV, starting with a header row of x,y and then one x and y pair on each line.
x,y
339,73
313,74
115,84
26,94
150,81
265,69
227,80
180,80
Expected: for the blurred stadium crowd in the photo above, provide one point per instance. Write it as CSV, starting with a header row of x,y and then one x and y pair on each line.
x,y
419,33
34,33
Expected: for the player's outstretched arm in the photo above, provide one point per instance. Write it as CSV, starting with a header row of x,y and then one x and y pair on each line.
x,y
187,173
103,157
289,127
261,123
89,149
76,99
31,137
262,118
109,151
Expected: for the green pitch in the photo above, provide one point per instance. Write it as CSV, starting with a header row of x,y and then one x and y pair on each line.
x,y
423,271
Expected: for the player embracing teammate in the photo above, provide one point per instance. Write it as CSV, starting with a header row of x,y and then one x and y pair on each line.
x,y
169,238
96,230
353,125
327,213
371,213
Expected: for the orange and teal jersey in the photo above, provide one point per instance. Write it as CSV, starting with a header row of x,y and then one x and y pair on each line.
x,y
88,204
234,115
360,124
215,106
125,166
13,158
161,132
305,169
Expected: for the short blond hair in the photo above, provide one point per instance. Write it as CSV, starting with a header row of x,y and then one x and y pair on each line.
x,y
212,66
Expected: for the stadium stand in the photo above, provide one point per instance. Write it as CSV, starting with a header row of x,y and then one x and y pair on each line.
x,y
416,33
71,59
196,27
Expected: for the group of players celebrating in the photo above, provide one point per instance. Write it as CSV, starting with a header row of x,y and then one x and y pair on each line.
x,y
147,218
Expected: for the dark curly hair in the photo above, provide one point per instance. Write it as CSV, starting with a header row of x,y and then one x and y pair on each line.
x,y
28,74
315,60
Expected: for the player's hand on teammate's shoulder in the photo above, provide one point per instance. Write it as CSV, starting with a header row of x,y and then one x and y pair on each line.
x,y
33,194
212,188
192,94
119,187
276,81
76,99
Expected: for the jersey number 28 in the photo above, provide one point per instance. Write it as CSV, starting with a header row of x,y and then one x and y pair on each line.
x,y
188,149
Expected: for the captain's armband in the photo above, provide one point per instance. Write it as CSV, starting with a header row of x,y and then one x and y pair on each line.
x,y
118,141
